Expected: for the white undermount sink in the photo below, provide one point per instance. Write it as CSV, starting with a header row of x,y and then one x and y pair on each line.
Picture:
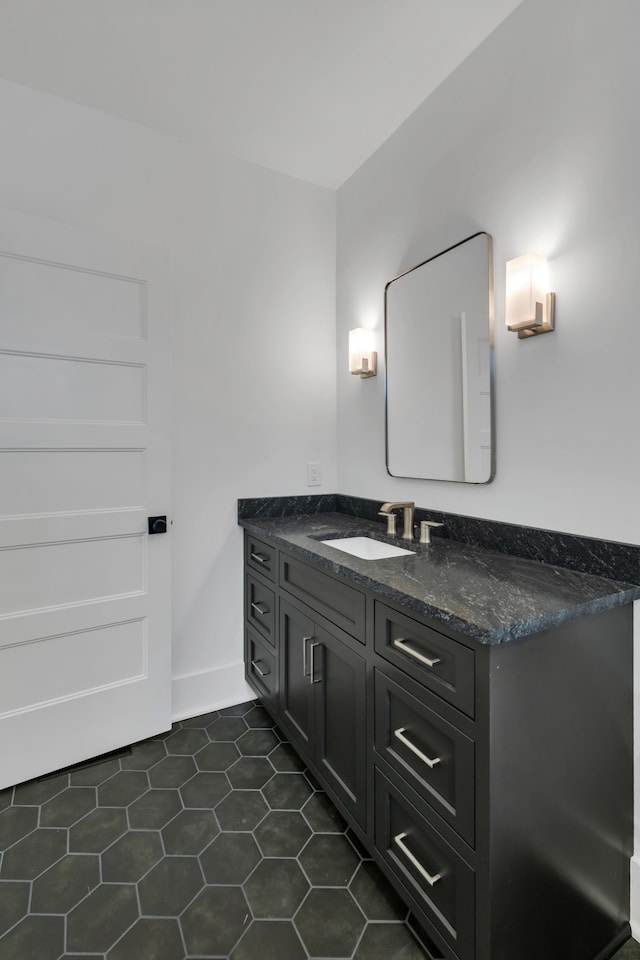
x,y
367,548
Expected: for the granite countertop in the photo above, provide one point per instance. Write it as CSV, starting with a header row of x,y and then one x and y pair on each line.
x,y
488,596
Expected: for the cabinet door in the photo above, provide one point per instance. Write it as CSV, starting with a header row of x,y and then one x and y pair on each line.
x,y
296,690
339,682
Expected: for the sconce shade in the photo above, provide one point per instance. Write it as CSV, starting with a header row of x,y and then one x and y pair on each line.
x,y
529,308
362,357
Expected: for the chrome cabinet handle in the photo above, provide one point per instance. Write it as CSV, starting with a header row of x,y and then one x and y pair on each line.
x,y
256,666
259,557
260,608
305,666
402,645
431,879
399,733
312,670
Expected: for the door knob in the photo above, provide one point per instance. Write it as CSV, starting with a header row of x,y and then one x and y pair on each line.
x,y
157,524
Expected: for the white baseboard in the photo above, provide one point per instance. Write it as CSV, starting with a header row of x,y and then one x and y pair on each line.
x,y
200,693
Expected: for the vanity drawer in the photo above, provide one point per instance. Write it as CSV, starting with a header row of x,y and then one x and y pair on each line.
x,y
437,877
260,609
437,661
433,755
261,668
333,599
260,556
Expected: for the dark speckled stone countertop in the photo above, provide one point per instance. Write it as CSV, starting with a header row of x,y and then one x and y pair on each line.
x,y
489,596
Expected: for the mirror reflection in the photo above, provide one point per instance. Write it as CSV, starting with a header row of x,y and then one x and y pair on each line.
x,y
439,366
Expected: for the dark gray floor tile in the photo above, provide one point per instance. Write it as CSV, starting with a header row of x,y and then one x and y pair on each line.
x,y
630,951
242,810
270,941
38,791
16,823
329,923
37,937
286,760
190,832
216,756
215,921
101,919
230,858
257,743
388,941
357,845
239,710
250,773
172,772
64,884
258,717
287,791
68,807
123,788
6,797
227,728
202,721
144,755
374,894
154,809
94,774
329,860
29,857
205,790
322,816
170,886
98,830
131,856
150,939
275,889
185,741
14,903
282,833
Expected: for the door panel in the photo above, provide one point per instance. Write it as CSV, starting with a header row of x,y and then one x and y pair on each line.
x,y
340,691
84,457
296,690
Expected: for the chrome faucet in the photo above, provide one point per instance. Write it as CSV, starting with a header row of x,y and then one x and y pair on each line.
x,y
408,506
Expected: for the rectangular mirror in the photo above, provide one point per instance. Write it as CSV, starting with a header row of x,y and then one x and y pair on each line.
x,y
439,366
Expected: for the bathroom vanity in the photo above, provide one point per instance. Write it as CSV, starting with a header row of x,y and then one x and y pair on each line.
x,y
470,714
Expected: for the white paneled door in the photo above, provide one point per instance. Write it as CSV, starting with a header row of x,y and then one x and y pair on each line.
x,y
84,461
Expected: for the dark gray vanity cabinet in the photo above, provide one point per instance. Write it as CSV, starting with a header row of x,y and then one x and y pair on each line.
x,y
321,675
492,782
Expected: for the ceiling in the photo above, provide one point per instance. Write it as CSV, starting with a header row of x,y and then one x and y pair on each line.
x,y
310,88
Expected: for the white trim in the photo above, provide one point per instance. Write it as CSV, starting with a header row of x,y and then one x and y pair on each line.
x,y
635,898
199,693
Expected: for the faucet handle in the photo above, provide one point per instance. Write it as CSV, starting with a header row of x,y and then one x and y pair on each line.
x,y
391,521
425,529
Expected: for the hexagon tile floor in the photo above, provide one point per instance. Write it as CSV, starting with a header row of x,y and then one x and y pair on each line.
x,y
209,841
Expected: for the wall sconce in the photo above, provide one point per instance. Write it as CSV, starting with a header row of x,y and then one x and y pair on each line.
x,y
363,359
529,308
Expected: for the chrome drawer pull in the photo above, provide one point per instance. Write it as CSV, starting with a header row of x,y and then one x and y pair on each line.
x,y
256,666
305,667
260,608
260,557
312,670
399,733
402,645
431,880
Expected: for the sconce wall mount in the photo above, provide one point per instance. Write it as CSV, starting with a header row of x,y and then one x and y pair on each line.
x,y
363,360
529,307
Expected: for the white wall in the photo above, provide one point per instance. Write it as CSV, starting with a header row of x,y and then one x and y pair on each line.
x,y
534,139
253,258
